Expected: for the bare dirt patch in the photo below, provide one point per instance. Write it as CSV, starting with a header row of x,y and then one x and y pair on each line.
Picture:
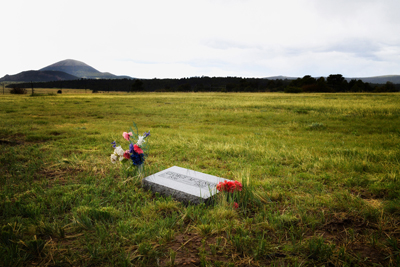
x,y
61,176
354,234
365,194
191,249
368,254
10,142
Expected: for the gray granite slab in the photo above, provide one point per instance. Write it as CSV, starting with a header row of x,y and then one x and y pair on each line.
x,y
183,184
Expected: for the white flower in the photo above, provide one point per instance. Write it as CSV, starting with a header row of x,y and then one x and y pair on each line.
x,y
119,151
140,140
114,158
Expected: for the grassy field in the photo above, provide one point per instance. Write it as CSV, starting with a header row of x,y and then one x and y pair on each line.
x,y
320,173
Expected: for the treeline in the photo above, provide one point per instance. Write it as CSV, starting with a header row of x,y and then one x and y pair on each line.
x,y
336,83
192,84
333,83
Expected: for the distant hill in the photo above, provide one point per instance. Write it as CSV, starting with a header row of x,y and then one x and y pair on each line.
x,y
68,69
81,70
281,78
379,79
73,67
38,76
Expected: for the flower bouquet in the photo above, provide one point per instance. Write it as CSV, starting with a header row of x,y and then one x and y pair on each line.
x,y
230,187
137,152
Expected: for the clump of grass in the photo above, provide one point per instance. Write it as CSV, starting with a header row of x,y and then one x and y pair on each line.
x,y
301,111
319,250
316,126
42,94
42,122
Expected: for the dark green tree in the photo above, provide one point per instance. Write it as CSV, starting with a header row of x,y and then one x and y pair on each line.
x,y
322,86
357,86
387,87
336,82
137,86
308,80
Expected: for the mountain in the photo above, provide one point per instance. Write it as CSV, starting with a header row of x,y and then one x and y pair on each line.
x,y
379,79
280,77
68,69
80,69
38,76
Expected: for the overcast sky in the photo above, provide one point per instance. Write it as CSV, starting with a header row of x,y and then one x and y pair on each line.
x,y
185,38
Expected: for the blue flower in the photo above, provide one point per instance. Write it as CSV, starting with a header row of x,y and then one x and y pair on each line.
x,y
131,148
146,134
137,159
114,144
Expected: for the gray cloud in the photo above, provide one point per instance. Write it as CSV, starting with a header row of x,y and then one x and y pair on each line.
x,y
180,38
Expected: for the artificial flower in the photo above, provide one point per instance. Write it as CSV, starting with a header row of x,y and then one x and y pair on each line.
x,y
229,186
127,135
137,149
127,155
140,140
238,186
114,158
136,158
119,151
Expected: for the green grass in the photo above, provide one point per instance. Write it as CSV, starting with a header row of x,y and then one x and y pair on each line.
x,y
320,173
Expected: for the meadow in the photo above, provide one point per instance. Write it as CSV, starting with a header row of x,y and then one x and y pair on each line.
x,y
321,179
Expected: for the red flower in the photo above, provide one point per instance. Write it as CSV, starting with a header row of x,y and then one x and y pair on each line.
x,y
229,186
127,155
137,149
220,186
238,186
236,205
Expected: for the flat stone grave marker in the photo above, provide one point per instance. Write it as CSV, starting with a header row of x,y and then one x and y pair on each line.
x,y
183,184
